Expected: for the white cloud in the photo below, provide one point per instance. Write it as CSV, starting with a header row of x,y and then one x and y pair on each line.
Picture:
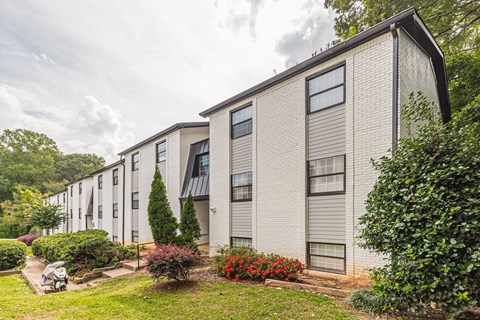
x,y
147,65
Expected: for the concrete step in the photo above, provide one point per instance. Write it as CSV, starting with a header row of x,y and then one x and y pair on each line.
x,y
95,283
133,265
112,274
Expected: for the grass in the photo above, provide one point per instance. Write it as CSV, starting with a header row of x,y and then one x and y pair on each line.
x,y
133,298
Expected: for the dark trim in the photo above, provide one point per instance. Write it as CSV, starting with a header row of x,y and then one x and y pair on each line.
x,y
408,19
180,125
133,162
244,106
156,151
320,255
113,175
246,185
328,193
393,30
320,73
123,204
138,200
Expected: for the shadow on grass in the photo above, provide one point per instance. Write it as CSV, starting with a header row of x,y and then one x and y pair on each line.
x,y
172,286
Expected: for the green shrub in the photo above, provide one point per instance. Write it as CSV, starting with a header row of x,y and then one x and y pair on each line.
x,y
423,214
366,300
88,249
13,254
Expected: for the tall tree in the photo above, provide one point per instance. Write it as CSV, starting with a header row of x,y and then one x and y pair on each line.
x,y
70,167
15,218
160,216
26,158
189,226
454,24
47,217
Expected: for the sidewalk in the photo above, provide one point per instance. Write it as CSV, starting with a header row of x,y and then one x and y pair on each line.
x,y
33,273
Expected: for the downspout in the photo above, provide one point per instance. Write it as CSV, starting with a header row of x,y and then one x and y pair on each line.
x,y
123,205
393,30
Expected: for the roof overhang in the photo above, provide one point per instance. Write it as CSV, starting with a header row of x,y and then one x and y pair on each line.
x,y
409,20
170,129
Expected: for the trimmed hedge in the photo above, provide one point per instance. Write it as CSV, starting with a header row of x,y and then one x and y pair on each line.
x,y
88,249
12,254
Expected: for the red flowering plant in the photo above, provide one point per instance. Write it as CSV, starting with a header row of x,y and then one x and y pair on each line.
x,y
247,264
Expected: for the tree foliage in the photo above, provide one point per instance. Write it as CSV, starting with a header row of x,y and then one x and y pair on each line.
x,y
454,24
189,226
47,217
16,213
32,159
160,216
423,213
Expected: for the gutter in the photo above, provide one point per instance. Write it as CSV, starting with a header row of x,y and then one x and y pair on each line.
x,y
393,30
123,204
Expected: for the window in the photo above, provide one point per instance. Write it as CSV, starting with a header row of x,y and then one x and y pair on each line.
x,y
135,161
241,242
71,191
135,200
161,151
80,188
79,213
71,213
327,175
58,199
326,89
115,210
100,182
327,257
242,187
100,212
202,165
134,236
64,197
115,177
242,122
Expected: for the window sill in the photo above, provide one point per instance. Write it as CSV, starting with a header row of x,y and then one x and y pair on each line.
x,y
326,193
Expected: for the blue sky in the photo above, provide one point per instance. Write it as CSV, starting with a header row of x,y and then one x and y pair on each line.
x,y
97,76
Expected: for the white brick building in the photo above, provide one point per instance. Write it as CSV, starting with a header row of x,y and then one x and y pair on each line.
x,y
291,157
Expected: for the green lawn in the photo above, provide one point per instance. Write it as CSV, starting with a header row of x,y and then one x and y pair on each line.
x,y
132,298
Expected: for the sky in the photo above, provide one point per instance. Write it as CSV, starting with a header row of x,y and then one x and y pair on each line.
x,y
99,76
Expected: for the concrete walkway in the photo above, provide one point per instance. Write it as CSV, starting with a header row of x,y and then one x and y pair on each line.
x,y
33,273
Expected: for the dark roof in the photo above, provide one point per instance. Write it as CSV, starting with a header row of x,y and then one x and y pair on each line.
x,y
175,127
198,186
409,20
107,167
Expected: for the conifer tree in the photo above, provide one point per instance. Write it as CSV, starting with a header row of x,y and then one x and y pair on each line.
x,y
160,216
189,225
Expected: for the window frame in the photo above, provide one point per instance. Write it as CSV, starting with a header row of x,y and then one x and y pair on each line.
x,y
248,105
115,177
137,201
79,188
319,74
137,236
326,193
137,163
64,197
244,238
58,199
246,185
71,191
100,182
309,255
196,166
79,213
157,153
115,210
100,211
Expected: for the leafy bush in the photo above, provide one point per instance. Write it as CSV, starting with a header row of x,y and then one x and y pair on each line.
x,y
423,213
247,264
28,238
366,300
81,250
12,254
172,262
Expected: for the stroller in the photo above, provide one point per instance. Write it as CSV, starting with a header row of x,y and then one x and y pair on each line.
x,y
55,276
